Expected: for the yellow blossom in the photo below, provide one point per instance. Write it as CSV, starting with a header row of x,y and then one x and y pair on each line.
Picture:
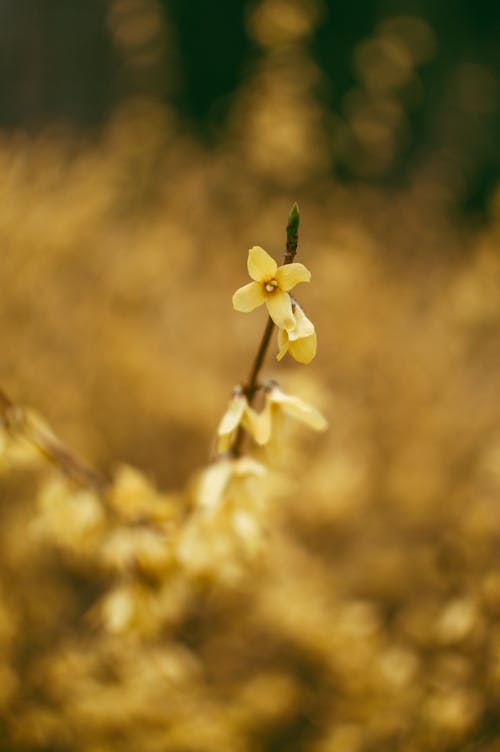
x,y
270,286
224,528
300,341
277,401
215,480
238,413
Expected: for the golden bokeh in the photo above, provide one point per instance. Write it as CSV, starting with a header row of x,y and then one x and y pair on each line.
x,y
335,592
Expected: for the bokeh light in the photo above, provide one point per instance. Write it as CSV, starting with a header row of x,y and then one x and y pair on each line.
x,y
345,596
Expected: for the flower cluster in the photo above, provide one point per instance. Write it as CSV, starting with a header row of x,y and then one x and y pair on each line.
x,y
226,526
260,424
271,286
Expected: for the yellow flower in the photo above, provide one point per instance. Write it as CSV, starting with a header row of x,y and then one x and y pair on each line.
x,y
300,341
270,286
238,413
224,528
215,479
277,401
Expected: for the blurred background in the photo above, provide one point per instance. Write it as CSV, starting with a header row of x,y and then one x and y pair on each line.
x,y
146,142
145,145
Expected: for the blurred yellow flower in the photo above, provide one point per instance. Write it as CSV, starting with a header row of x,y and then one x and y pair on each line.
x,y
215,479
300,341
279,402
224,529
270,286
238,413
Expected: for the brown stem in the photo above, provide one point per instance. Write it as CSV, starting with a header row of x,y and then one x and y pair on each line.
x,y
251,386
18,422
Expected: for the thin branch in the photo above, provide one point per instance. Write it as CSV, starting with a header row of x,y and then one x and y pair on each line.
x,y
18,422
252,385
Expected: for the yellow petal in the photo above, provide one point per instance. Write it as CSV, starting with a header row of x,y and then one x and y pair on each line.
x,y
247,467
303,350
299,409
248,297
260,264
279,305
212,484
282,344
233,415
303,326
258,425
223,443
290,275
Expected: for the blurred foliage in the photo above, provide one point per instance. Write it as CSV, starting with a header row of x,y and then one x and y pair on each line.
x,y
396,83
345,600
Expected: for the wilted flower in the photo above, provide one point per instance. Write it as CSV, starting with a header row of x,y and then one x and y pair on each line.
x,y
277,401
271,285
300,341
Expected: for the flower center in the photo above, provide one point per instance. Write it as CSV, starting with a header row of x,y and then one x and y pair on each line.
x,y
271,285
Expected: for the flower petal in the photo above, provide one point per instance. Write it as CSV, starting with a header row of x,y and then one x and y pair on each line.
x,y
212,484
246,467
303,349
282,344
260,264
299,409
248,297
223,443
233,415
290,275
258,425
279,305
303,326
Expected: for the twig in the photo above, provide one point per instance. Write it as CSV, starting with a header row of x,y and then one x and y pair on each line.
x,y
252,385
19,422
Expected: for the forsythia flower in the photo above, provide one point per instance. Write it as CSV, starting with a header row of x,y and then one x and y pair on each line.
x,y
276,402
238,413
270,286
301,341
225,525
215,479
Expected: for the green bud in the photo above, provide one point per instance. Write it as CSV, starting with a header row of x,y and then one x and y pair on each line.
x,y
292,233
